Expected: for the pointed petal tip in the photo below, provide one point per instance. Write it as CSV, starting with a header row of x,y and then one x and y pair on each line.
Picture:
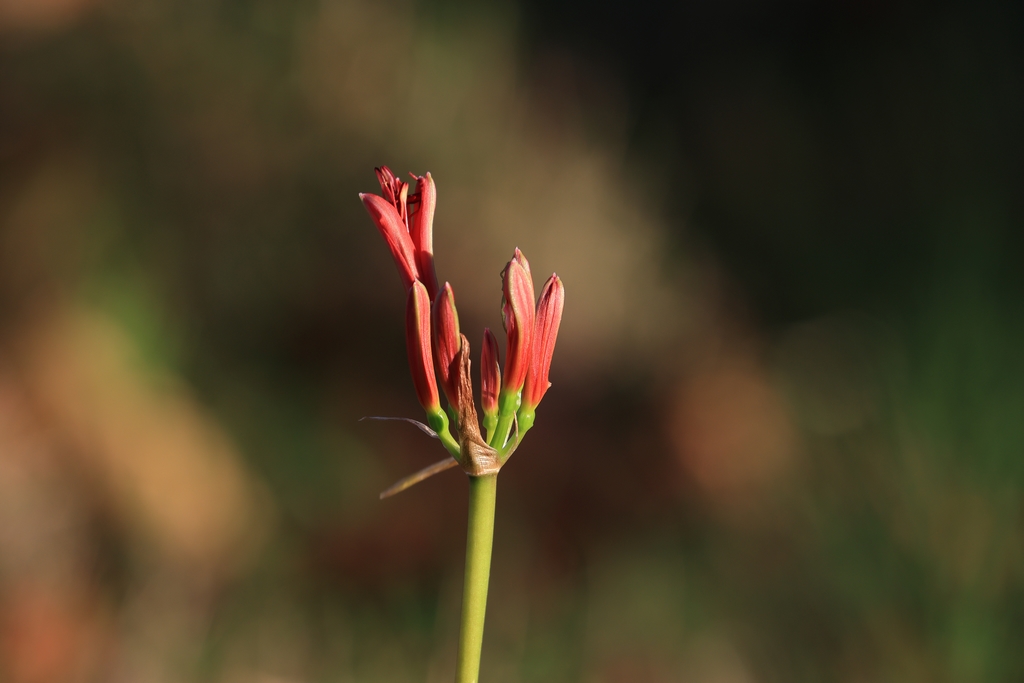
x,y
554,282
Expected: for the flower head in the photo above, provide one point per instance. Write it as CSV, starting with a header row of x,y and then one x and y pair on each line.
x,y
545,331
518,315
437,349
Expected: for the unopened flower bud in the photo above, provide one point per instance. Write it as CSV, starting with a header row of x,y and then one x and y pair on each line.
x,y
490,375
545,332
518,314
417,339
421,229
447,342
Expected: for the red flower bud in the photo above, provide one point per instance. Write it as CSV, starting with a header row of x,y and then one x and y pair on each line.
x,y
447,340
518,314
421,228
392,226
417,340
490,374
549,316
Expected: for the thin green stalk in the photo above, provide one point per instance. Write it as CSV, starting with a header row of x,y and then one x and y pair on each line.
x,y
508,404
479,537
438,421
524,422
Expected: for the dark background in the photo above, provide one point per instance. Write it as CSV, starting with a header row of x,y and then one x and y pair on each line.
x,y
785,440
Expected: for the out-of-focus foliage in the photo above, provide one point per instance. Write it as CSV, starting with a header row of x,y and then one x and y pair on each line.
x,y
785,440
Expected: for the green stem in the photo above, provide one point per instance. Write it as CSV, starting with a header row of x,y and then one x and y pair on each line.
x,y
438,421
524,422
490,423
480,534
508,404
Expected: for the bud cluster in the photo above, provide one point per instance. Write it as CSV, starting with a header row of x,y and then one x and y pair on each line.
x,y
438,349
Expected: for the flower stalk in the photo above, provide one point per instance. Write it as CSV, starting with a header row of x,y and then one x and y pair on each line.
x,y
437,349
479,540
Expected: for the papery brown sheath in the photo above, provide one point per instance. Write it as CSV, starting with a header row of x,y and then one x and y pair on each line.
x,y
479,459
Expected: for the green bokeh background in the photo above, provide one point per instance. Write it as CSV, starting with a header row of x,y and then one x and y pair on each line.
x,y
792,451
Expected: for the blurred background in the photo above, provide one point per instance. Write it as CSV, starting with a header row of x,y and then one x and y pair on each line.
x,y
785,440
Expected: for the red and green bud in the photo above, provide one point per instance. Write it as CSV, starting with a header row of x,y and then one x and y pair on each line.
x,y
417,339
421,228
447,342
545,332
490,382
490,375
518,314
392,226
